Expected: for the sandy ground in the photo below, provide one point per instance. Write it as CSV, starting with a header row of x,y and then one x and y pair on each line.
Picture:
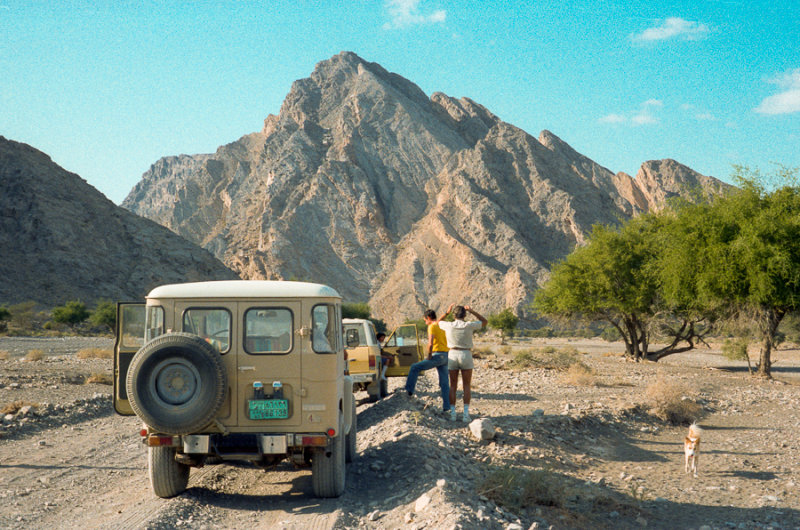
x,y
71,462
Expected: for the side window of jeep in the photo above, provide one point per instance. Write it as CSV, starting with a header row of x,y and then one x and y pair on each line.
x,y
268,330
325,335
212,324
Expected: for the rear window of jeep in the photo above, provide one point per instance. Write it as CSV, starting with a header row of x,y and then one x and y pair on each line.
x,y
268,330
212,324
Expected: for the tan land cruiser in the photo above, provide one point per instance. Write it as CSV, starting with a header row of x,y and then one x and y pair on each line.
x,y
364,355
237,370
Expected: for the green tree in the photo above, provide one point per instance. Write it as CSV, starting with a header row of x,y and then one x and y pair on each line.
x,y
105,314
355,310
506,321
72,313
5,314
617,278
752,254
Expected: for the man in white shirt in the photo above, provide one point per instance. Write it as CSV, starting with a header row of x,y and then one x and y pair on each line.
x,y
459,340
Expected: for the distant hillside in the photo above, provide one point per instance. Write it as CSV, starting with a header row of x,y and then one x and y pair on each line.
x,y
63,240
405,201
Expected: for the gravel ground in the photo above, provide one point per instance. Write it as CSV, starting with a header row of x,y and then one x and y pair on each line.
x,y
603,459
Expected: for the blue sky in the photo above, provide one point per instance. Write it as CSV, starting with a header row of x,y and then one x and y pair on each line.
x,y
107,88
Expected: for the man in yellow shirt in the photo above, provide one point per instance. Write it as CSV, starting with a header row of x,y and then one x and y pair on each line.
x,y
437,358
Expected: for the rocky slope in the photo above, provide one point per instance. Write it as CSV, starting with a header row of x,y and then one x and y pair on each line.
x,y
63,240
365,183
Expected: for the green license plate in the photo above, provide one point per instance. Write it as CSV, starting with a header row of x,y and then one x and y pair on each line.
x,y
268,409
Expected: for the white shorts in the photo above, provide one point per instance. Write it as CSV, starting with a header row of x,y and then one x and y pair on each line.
x,y
459,360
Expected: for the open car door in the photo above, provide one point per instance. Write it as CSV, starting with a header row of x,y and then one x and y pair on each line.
x,y
130,337
405,347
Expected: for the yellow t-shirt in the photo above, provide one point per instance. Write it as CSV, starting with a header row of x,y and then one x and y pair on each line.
x,y
439,338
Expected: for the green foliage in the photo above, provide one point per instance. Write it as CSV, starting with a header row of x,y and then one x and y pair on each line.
x,y
73,313
105,314
506,321
22,316
610,334
355,310
5,314
735,349
422,327
380,325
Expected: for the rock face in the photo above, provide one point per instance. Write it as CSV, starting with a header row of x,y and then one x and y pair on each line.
x,y
63,240
394,198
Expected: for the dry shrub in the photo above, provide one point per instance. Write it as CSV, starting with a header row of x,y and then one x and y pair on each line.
x,y
100,379
34,355
548,358
516,489
580,374
672,402
14,406
4,355
94,353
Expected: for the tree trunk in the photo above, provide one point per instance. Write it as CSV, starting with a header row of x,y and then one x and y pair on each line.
x,y
774,318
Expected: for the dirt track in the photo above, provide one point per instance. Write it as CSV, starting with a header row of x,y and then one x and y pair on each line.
x,y
73,463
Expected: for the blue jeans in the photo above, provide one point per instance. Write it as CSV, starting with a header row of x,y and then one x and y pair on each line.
x,y
438,360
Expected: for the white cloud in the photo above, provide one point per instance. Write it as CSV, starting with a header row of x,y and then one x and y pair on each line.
x,y
788,99
405,13
613,118
673,28
643,116
705,116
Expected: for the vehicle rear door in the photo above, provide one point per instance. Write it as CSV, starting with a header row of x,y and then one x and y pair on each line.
x,y
269,354
129,338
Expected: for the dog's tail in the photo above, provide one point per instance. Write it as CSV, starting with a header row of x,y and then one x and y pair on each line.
x,y
695,431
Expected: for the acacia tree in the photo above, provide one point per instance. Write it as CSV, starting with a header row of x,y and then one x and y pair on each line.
x,y
752,253
606,280
506,321
617,278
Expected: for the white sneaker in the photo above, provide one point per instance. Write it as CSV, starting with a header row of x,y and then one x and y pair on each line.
x,y
453,414
465,417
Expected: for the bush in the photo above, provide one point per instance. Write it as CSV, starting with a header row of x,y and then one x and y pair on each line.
x,y
548,358
610,334
735,349
100,379
580,374
541,333
516,489
22,316
671,402
4,355
94,353
34,355
73,313
105,315
14,406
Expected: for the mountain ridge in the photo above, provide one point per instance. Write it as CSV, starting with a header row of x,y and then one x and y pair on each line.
x,y
396,198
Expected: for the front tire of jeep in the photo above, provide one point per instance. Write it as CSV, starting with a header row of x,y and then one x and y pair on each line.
x,y
176,383
168,477
328,468
351,445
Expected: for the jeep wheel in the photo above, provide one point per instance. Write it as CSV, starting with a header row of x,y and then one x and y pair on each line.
x,y
351,446
327,468
167,476
177,383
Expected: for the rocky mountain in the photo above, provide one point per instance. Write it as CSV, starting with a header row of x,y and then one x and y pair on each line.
x,y
396,198
63,240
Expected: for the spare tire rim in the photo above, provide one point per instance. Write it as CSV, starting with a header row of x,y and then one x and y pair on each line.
x,y
175,381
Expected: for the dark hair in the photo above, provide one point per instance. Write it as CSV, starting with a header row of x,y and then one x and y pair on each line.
x,y
380,334
459,312
430,313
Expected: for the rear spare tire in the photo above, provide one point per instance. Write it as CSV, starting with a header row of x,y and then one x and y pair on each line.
x,y
351,444
176,383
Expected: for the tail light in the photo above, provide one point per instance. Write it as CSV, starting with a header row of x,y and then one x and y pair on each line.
x,y
372,361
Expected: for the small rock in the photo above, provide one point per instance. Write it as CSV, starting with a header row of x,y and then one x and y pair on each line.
x,y
441,483
408,518
422,503
41,443
642,521
482,429
373,516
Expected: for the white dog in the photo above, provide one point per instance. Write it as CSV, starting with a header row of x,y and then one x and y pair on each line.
x,y
691,448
